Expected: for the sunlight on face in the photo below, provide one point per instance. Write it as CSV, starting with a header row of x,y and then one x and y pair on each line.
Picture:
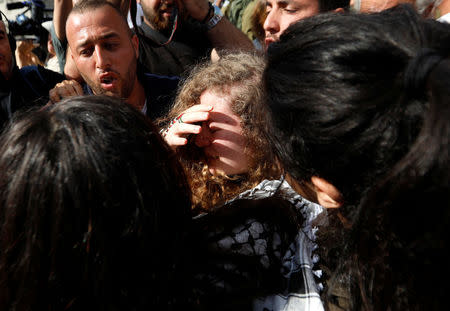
x,y
103,51
282,13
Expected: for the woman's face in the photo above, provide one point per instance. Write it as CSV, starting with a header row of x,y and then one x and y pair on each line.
x,y
221,137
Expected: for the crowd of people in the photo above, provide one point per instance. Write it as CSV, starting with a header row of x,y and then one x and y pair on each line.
x,y
235,155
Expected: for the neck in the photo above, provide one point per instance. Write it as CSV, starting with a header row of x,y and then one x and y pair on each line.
x,y
137,96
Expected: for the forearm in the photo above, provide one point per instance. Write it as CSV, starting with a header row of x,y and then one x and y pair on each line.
x,y
61,10
225,36
222,35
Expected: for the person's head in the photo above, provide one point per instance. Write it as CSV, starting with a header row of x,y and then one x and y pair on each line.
x,y
157,13
232,141
360,105
94,209
282,13
103,48
6,55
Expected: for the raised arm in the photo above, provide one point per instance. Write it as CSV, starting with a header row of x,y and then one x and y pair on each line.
x,y
61,10
223,35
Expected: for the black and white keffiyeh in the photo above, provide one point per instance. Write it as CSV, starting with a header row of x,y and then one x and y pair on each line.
x,y
260,252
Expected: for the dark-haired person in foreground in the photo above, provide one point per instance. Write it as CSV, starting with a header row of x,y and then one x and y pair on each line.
x,y
360,105
95,209
105,52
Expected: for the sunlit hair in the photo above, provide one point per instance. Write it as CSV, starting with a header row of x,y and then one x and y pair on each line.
x,y
238,77
258,18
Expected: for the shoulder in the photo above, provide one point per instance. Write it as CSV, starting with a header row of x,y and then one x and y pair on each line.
x,y
162,79
238,250
160,85
160,93
40,76
146,31
255,248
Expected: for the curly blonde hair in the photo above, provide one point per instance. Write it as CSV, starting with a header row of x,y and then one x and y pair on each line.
x,y
238,77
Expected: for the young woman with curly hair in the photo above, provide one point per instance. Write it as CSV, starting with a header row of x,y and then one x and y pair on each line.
x,y
254,234
217,129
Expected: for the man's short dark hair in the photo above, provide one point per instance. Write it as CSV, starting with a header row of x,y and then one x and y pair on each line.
x,y
90,5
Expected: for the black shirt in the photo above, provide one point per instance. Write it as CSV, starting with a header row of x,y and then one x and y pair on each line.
x,y
189,46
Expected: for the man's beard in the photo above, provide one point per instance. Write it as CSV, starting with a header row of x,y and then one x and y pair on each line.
x,y
125,87
156,19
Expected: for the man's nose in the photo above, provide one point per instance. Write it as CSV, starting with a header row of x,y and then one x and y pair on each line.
x,y
102,58
203,139
271,24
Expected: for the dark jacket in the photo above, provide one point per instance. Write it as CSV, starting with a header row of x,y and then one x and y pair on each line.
x,y
28,86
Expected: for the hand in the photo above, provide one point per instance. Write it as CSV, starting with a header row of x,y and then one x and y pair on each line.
x,y
184,125
25,46
67,88
197,9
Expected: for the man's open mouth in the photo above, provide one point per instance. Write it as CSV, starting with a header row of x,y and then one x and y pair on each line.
x,y
108,81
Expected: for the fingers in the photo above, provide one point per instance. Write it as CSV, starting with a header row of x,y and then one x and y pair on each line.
x,y
186,124
66,88
185,129
195,114
205,108
77,87
175,141
177,134
194,117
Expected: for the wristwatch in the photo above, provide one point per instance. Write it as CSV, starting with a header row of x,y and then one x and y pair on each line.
x,y
215,19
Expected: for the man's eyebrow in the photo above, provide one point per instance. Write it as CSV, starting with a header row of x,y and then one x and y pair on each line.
x,y
2,32
285,2
102,37
282,2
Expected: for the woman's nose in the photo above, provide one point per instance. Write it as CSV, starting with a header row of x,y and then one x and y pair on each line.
x,y
203,139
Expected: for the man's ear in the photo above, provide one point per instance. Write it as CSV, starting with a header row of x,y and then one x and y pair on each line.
x,y
135,43
327,195
339,10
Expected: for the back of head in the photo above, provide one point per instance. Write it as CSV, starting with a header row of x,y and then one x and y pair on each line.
x,y
360,100
336,83
94,209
